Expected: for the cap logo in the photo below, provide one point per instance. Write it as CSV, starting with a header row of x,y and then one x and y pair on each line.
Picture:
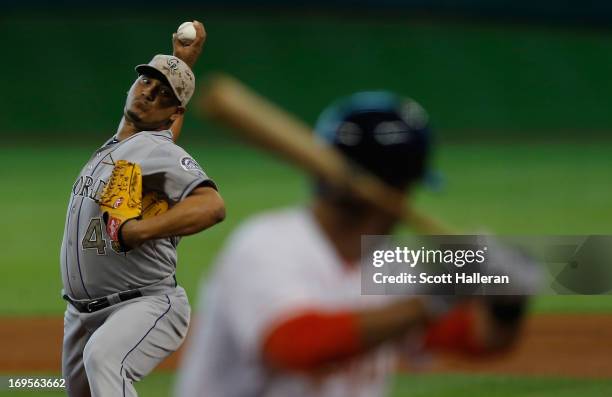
x,y
173,64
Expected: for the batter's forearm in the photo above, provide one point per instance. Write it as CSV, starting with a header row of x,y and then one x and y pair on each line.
x,y
334,337
200,210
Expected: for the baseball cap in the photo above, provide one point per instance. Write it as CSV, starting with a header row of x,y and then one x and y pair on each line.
x,y
382,132
177,72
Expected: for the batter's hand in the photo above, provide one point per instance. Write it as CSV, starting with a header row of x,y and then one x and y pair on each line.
x,y
190,53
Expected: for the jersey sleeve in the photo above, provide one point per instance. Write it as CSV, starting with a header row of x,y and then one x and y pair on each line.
x,y
170,169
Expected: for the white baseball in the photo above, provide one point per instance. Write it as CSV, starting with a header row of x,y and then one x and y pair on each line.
x,y
186,33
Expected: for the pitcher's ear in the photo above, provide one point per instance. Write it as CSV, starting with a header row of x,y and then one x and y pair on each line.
x,y
179,112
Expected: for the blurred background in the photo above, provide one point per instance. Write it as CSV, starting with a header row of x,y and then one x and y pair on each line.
x,y
519,93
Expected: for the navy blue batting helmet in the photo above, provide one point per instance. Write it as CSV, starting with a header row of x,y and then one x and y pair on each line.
x,y
380,131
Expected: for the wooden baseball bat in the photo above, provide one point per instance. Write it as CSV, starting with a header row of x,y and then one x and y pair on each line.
x,y
226,99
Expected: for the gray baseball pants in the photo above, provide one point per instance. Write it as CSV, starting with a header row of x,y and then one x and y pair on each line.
x,y
105,352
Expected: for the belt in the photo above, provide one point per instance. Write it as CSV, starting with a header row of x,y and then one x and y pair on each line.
x,y
89,306
102,303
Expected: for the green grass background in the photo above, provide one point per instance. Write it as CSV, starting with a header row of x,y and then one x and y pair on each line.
x,y
521,113
512,189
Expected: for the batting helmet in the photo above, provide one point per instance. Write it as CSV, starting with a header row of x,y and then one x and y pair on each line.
x,y
380,131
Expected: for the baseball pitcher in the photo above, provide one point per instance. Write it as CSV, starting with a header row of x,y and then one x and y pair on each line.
x,y
132,201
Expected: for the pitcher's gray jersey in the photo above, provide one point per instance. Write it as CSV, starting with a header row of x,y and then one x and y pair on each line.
x,y
90,266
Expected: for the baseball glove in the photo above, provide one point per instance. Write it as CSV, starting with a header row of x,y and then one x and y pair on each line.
x,y
121,199
153,204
